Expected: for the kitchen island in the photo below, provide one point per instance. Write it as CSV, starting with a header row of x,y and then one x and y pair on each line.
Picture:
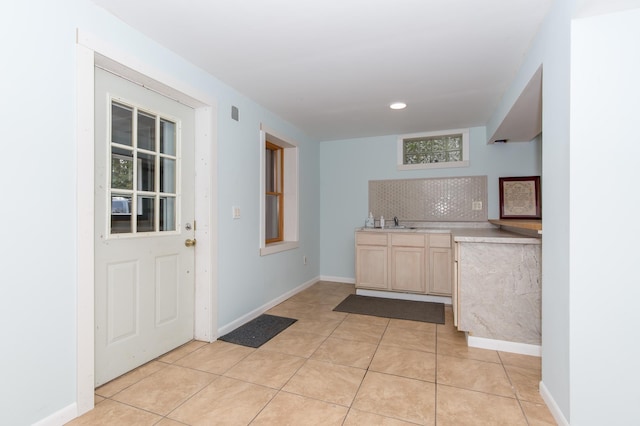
x,y
493,277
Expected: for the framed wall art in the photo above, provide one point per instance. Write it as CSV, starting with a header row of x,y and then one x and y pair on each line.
x,y
520,197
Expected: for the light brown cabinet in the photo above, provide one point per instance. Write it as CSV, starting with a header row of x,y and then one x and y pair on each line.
x,y
404,262
408,263
371,261
440,264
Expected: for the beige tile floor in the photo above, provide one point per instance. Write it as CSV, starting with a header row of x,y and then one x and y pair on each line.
x,y
330,368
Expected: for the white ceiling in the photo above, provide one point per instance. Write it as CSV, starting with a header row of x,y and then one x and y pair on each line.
x,y
332,67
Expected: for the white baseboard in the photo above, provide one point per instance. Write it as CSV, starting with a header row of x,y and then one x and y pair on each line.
x,y
504,346
552,406
404,296
60,417
337,279
262,309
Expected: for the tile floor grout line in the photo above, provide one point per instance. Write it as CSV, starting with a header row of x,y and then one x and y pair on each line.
x,y
515,389
281,389
265,406
132,384
158,360
479,391
225,371
301,365
366,371
435,379
136,408
192,396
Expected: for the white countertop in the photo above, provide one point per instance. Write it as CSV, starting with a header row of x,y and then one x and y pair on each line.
x,y
466,232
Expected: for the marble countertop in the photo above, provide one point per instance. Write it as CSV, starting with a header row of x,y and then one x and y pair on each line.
x,y
495,235
465,232
407,230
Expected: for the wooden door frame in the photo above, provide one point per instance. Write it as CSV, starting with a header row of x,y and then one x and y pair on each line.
x,y
91,51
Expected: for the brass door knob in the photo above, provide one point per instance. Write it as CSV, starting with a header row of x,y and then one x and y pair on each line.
x,y
190,242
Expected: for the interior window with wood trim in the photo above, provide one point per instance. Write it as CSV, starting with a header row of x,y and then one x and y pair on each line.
x,y
279,182
274,195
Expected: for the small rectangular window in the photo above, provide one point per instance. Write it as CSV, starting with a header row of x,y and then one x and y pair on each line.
x,y
274,201
434,150
279,176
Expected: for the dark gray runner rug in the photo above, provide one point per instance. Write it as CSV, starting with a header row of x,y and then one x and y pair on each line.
x,y
393,308
258,331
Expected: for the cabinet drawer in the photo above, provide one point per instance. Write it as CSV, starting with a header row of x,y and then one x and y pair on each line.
x,y
407,240
440,240
371,238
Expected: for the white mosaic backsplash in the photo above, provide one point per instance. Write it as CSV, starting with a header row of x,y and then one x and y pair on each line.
x,y
448,199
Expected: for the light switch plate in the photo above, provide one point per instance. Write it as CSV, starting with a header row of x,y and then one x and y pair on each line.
x,y
235,212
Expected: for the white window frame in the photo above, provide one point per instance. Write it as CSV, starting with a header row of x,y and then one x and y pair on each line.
x,y
290,192
422,166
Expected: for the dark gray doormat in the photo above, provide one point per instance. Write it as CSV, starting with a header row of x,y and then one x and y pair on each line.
x,y
393,308
258,331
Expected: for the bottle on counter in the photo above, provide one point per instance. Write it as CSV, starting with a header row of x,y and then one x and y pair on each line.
x,y
369,223
381,221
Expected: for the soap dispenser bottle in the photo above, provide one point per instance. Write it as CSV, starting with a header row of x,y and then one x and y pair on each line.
x,y
369,223
381,221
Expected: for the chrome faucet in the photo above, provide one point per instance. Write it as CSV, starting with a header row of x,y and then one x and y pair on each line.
x,y
396,222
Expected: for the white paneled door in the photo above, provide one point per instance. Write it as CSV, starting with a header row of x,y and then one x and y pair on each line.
x,y
144,224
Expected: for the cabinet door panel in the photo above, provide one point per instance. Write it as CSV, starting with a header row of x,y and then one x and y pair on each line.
x,y
407,269
440,271
371,267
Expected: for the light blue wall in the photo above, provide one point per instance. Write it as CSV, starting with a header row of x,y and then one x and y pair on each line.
x,y
347,166
247,280
581,190
551,48
554,41
38,235
605,90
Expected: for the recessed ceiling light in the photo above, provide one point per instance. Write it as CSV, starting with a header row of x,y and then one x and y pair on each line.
x,y
398,105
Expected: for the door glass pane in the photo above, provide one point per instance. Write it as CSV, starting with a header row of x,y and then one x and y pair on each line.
x,y
167,175
146,214
271,216
270,167
167,137
121,124
120,214
146,131
121,168
167,213
146,168
144,171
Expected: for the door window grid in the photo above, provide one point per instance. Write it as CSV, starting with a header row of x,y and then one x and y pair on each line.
x,y
274,211
143,150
